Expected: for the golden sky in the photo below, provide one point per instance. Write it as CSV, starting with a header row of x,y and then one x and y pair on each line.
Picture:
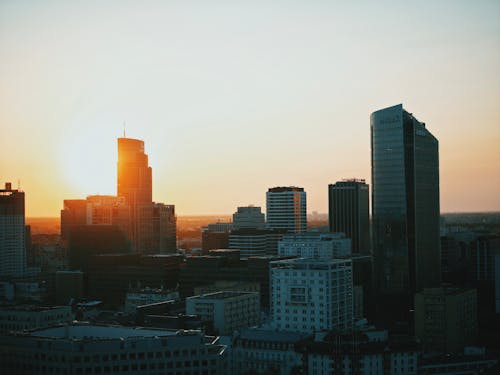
x,y
232,98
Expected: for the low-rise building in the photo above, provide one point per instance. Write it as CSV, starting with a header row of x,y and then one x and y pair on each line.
x,y
26,317
96,349
228,311
266,351
147,296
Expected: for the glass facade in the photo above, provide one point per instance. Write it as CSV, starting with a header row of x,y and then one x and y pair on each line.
x,y
405,199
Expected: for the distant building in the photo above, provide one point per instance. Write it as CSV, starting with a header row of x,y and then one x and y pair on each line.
x,y
147,296
228,286
310,295
135,184
315,245
446,319
93,349
27,317
69,285
286,209
248,217
228,311
164,229
349,212
73,214
215,236
12,233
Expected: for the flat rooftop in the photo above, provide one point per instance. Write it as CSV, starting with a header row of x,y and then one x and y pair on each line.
x,y
88,331
222,295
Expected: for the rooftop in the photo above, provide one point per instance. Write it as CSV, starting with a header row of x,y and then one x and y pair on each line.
x,y
222,295
266,335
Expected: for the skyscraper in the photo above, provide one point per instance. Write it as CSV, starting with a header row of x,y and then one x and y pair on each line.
x,y
248,217
286,209
135,184
405,198
349,213
12,233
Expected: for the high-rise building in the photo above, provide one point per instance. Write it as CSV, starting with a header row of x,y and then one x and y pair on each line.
x,y
135,184
405,198
310,295
286,209
73,214
164,229
348,212
314,245
12,233
248,217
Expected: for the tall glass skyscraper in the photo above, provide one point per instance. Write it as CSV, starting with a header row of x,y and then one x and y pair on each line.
x,y
405,199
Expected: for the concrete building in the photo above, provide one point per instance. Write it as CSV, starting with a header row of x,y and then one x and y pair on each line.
x,y
12,233
215,236
286,209
228,311
74,213
310,295
266,351
349,212
446,319
96,349
248,217
27,317
68,285
314,245
147,296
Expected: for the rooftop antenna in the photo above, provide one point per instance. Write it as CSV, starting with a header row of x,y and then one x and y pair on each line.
x,y
19,184
124,135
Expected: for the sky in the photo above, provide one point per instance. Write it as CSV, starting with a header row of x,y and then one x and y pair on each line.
x,y
234,97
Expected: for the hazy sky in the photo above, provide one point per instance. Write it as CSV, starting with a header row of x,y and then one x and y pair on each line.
x,y
233,97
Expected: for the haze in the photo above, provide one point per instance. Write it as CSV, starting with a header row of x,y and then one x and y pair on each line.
x,y
232,98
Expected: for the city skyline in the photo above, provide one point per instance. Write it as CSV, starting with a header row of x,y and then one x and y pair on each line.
x,y
231,100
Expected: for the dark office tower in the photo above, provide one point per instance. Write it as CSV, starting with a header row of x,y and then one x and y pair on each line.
x,y
348,212
135,184
164,229
286,209
73,214
12,233
405,198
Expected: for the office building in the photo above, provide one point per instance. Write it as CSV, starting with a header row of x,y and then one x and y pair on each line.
x,y
446,319
69,286
405,198
264,351
164,229
27,317
310,295
215,236
12,233
248,217
227,311
349,213
73,214
314,245
101,349
286,209
135,184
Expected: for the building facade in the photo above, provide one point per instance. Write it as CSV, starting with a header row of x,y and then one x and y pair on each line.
x,y
314,245
405,199
164,229
349,212
228,311
249,217
12,233
27,317
286,209
309,295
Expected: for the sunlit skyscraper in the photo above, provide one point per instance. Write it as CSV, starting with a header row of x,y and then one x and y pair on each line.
x,y
286,209
135,184
405,198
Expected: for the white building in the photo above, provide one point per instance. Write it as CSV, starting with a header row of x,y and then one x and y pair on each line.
x,y
248,217
286,209
18,318
315,245
264,350
309,295
228,311
12,233
95,349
